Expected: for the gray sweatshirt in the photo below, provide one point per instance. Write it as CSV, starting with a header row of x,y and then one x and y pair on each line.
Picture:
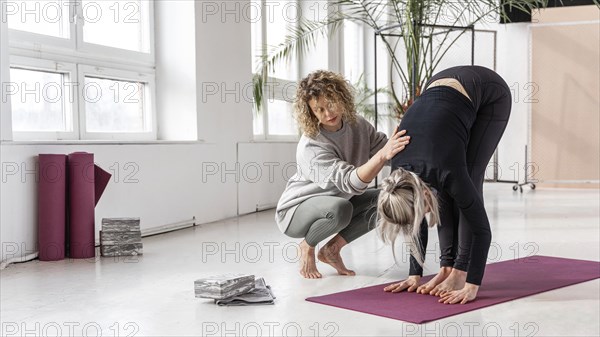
x,y
327,165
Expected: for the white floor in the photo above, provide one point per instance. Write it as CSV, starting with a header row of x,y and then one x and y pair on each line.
x,y
153,295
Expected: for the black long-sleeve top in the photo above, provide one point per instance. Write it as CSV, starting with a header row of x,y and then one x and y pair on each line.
x,y
439,124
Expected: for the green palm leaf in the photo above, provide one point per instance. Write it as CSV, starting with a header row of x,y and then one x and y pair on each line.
x,y
410,19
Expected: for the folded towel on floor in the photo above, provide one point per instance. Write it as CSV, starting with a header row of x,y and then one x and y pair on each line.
x,y
261,295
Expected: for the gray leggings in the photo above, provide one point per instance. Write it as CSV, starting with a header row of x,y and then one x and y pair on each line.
x,y
318,217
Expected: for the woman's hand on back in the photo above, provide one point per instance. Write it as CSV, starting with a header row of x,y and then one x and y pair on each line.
x,y
369,170
410,285
394,145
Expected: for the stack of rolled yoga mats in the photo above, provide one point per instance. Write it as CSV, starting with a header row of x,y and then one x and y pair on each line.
x,y
69,188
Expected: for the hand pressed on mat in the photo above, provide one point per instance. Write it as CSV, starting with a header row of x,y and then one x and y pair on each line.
x,y
410,285
429,286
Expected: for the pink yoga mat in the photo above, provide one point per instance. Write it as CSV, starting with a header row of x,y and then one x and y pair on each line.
x,y
86,184
52,210
503,281
101,178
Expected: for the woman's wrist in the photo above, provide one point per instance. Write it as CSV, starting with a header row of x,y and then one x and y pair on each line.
x,y
381,158
368,171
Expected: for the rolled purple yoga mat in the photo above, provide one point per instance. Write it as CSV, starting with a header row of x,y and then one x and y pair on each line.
x,y
85,179
101,178
52,186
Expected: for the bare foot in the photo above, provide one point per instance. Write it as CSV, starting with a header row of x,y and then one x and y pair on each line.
x,y
462,296
437,279
455,281
308,265
330,254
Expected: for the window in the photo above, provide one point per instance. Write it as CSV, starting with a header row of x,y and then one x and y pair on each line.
x,y
353,60
43,99
126,19
30,113
43,17
81,69
115,102
275,18
269,30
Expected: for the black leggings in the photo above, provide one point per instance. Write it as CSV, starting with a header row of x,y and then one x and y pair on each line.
x,y
455,233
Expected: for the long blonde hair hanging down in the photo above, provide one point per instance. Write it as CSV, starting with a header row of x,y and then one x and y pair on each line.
x,y
403,203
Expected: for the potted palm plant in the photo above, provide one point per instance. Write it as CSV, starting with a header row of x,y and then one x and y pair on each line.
x,y
414,22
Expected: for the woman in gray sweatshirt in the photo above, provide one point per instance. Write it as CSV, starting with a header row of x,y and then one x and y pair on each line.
x,y
337,157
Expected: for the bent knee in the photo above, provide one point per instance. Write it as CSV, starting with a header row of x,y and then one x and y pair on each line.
x,y
340,212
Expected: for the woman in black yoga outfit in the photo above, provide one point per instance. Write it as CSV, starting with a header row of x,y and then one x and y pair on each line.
x,y
455,127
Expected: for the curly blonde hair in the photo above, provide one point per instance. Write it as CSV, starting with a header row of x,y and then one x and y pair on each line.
x,y
334,88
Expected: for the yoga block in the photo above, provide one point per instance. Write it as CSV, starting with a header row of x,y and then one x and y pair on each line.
x,y
131,249
120,224
224,286
118,238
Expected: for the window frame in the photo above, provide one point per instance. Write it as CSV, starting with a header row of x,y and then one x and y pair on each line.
x,y
277,95
119,75
336,56
112,52
28,40
271,96
35,51
28,63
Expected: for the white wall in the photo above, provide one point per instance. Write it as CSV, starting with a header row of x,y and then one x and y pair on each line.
x,y
265,169
5,119
513,64
176,70
171,187
224,72
178,181
161,184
